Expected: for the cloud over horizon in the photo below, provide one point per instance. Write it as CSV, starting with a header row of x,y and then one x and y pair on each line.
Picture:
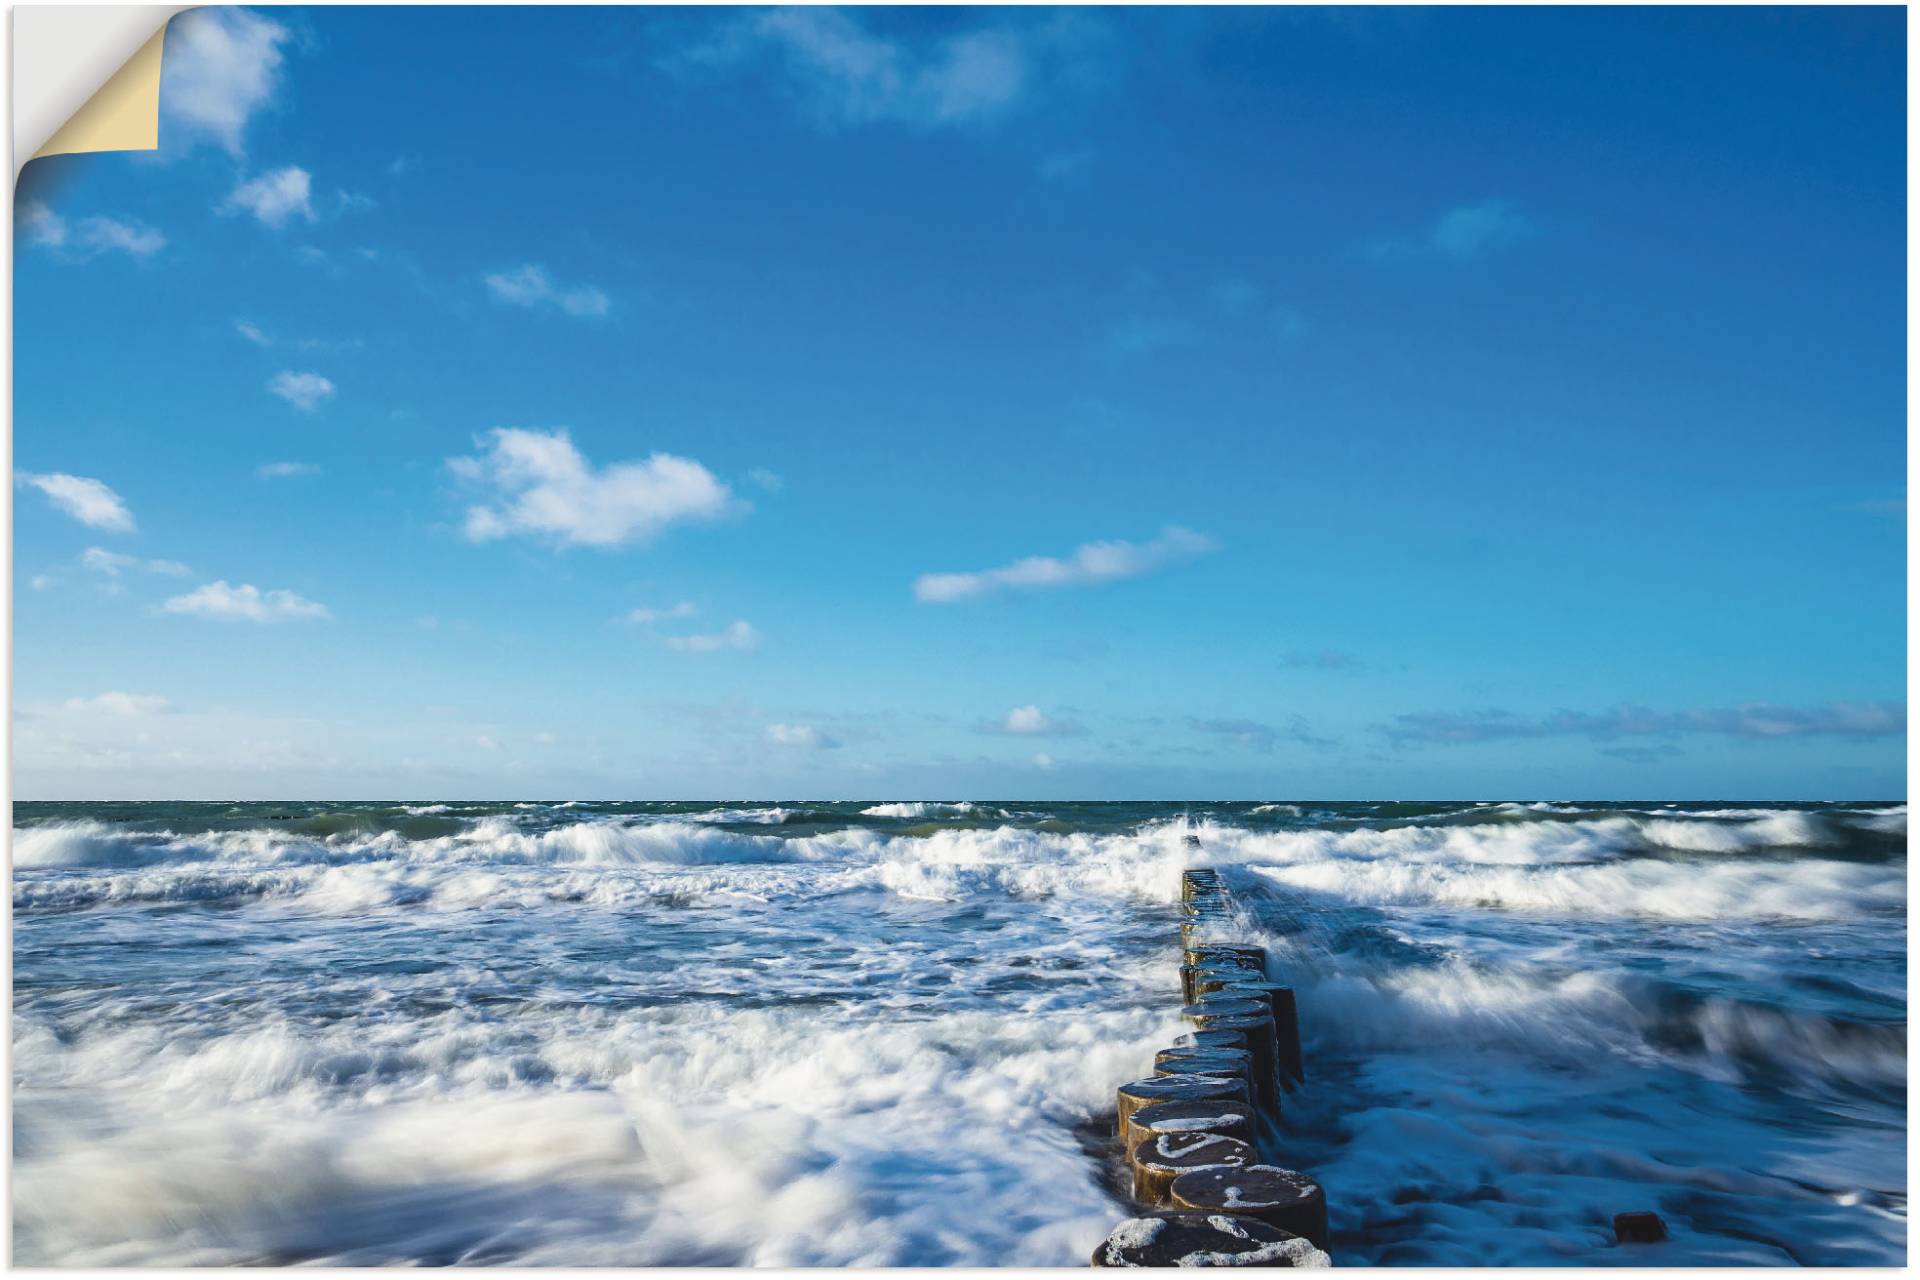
x,y
1752,720
739,636
1031,721
802,736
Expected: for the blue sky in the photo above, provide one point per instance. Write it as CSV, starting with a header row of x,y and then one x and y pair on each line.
x,y
1015,403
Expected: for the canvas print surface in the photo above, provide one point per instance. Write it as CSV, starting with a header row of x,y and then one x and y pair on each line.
x,y
920,637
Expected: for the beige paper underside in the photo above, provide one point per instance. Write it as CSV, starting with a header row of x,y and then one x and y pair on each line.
x,y
123,115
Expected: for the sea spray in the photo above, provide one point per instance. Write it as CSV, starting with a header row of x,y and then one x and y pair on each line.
x,y
556,1032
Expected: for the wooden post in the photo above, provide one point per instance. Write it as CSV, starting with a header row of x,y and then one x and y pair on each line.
x,y
1278,1197
1159,1158
1141,1093
1214,1240
1231,1119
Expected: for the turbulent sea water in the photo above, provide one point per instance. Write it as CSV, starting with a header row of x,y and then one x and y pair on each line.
x,y
889,1034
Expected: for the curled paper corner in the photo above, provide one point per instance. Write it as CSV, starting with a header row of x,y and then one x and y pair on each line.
x,y
86,78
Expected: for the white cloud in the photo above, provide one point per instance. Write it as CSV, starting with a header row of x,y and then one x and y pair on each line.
x,y
110,563
486,743
42,226
118,704
86,500
275,196
1042,761
803,736
1090,563
252,333
543,486
641,617
304,391
283,470
852,75
738,636
530,286
41,581
89,238
222,64
1027,719
101,234
762,478
1030,721
245,603
100,560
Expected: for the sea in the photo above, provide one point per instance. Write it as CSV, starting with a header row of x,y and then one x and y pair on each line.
x,y
889,1034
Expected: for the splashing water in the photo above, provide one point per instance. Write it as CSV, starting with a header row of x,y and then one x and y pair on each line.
x,y
878,1034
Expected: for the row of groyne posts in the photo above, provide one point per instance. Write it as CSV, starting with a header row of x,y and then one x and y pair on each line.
x,y
1201,1133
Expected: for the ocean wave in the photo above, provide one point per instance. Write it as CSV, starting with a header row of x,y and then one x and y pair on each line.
x,y
1798,890
914,809
1616,865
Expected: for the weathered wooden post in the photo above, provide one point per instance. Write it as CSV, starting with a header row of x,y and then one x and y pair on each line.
x,y
1142,1093
1278,1197
1159,1158
1229,1119
1199,1239
1280,1002
1253,1019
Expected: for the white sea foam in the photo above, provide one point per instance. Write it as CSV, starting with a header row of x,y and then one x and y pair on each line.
x,y
921,809
1804,890
561,1038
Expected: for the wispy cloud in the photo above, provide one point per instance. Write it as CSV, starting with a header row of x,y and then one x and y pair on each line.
x,y
738,637
115,703
1259,736
89,238
112,563
222,64
802,736
844,70
1089,564
531,286
304,391
644,617
1462,233
1031,721
1322,660
285,470
540,485
244,603
252,333
86,500
274,197
1752,720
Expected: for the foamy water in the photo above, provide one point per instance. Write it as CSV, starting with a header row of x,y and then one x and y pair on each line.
x,y
889,1033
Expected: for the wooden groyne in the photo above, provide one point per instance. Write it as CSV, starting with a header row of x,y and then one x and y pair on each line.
x,y
1201,1133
